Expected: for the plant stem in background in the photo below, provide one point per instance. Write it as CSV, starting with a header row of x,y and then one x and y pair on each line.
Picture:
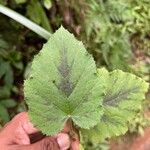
x,y
26,22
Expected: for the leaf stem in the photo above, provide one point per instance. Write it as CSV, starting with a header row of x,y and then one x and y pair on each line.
x,y
26,22
74,132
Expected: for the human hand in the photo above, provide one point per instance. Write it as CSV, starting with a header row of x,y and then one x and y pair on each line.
x,y
16,136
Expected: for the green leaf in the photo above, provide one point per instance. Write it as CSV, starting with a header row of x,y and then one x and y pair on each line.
x,y
5,92
121,102
48,4
63,84
3,2
8,103
6,77
20,1
36,13
6,72
4,116
3,44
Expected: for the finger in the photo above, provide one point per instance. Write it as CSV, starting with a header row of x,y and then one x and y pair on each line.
x,y
48,143
21,137
24,128
24,120
17,130
63,140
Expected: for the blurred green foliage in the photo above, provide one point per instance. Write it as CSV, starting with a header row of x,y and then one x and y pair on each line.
x,y
11,67
110,25
115,32
36,13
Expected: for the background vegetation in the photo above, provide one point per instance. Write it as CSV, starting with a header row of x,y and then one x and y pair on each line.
x,y
115,32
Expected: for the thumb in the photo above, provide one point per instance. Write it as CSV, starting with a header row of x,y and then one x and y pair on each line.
x,y
61,142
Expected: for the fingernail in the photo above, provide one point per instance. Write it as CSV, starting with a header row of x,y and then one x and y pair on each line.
x,y
63,141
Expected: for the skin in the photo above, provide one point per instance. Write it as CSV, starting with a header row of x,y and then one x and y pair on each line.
x,y
16,136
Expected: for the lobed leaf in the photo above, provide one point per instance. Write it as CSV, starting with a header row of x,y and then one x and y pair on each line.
x,y
63,84
121,102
